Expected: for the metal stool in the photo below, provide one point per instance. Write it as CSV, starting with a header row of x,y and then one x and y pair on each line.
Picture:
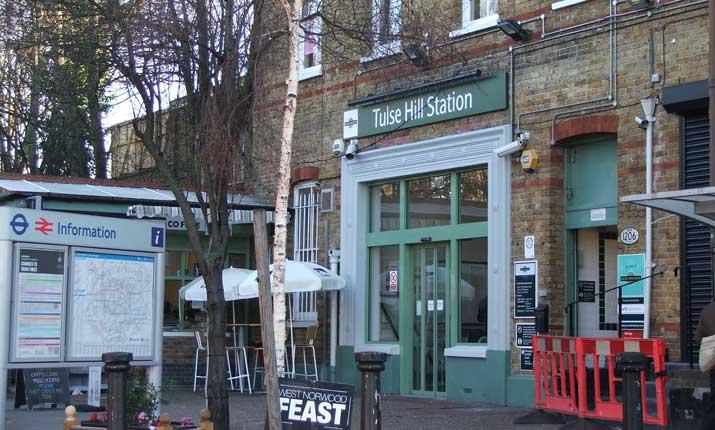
x,y
238,351
199,348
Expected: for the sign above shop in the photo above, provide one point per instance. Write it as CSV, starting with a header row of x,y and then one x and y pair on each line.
x,y
427,104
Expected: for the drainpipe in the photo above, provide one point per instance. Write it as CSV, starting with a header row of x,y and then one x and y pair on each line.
x,y
649,111
334,257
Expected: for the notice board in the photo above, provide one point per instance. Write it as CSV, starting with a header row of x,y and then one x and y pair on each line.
x,y
111,304
525,289
39,293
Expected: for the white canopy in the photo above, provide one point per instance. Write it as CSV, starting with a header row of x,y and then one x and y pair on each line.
x,y
695,203
300,277
196,289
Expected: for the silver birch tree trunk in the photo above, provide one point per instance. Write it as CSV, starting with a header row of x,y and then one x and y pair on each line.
x,y
293,10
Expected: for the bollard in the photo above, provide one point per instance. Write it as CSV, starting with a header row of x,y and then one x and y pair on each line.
x,y
116,365
370,364
165,423
71,418
632,364
205,423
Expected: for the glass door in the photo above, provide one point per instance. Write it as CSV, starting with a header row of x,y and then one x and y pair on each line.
x,y
430,281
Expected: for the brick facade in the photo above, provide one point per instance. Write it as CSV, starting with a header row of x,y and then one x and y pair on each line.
x,y
562,76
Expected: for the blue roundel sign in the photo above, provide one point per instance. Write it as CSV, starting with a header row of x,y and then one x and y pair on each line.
x,y
19,224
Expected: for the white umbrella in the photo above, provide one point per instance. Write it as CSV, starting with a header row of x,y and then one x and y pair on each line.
x,y
300,277
196,289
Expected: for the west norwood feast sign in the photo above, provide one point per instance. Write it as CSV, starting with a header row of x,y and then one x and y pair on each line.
x,y
427,104
307,405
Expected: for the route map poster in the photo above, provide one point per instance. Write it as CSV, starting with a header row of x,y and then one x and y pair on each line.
x,y
39,304
112,305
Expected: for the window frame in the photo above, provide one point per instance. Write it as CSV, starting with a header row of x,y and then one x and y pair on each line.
x,y
453,233
470,25
317,69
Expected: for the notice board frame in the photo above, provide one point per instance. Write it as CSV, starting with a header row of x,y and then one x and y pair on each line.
x,y
16,249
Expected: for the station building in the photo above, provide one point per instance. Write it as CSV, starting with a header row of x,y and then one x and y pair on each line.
x,y
432,211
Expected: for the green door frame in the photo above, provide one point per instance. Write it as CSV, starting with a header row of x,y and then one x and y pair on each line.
x,y
405,238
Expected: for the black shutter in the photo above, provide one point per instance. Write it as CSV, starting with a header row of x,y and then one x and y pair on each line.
x,y
696,280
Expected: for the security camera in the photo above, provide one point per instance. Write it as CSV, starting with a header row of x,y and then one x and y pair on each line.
x,y
510,148
338,147
642,122
352,150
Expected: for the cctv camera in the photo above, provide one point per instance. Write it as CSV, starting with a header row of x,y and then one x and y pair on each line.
x,y
352,150
509,148
338,147
642,123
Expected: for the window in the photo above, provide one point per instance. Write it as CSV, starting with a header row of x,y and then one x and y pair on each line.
x,y
473,196
429,201
384,306
386,24
181,267
309,49
385,207
473,284
477,15
306,204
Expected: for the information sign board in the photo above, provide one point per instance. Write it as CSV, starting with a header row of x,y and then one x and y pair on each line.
x,y
527,359
525,289
307,405
39,301
586,291
525,332
631,267
46,386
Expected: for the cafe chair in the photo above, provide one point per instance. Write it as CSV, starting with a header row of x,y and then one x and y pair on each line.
x,y
306,347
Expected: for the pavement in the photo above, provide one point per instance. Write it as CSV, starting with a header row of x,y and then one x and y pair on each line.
x,y
248,411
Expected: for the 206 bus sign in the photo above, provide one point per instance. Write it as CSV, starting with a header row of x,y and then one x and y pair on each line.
x,y
308,405
629,236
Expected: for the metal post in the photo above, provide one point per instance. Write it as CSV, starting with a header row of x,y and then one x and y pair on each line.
x,y
370,364
334,257
116,365
5,300
632,364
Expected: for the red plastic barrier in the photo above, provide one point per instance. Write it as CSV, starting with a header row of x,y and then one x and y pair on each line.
x,y
567,376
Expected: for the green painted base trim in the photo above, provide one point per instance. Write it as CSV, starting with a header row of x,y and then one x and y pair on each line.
x,y
346,371
520,391
479,379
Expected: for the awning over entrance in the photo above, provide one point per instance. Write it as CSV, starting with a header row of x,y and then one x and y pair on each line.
x,y
696,203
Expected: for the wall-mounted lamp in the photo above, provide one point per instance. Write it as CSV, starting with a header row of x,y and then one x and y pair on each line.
x,y
514,30
641,4
416,54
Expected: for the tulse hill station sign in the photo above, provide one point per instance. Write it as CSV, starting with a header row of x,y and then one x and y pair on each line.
x,y
425,104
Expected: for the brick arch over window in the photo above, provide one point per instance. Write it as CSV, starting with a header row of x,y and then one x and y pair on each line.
x,y
305,173
582,126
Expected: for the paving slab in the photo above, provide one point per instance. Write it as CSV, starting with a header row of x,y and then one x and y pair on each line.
x,y
248,411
